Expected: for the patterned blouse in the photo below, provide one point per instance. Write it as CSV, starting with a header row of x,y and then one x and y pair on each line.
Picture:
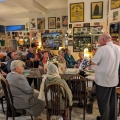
x,y
82,64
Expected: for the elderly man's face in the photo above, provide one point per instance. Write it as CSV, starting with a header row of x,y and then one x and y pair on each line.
x,y
31,50
20,69
14,55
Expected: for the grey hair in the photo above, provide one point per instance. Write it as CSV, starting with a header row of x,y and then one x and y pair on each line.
x,y
16,63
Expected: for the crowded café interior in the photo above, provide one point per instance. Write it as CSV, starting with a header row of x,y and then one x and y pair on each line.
x,y
60,60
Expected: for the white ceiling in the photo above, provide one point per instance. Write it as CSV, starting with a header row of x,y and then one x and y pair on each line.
x,y
53,4
15,8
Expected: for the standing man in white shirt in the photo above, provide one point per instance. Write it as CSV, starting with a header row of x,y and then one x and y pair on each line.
x,y
107,59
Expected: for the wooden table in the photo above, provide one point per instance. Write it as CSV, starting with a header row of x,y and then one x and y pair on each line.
x,y
34,73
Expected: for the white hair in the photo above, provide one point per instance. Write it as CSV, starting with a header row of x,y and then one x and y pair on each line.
x,y
15,64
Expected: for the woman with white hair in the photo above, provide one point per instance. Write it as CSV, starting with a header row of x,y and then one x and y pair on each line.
x,y
24,96
82,63
52,77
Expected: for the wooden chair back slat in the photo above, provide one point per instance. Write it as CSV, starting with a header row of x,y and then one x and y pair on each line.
x,y
29,64
55,91
77,84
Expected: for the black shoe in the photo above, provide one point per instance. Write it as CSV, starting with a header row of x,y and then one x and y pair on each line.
x,y
16,114
98,118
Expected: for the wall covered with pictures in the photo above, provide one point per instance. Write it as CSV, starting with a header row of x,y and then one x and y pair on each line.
x,y
54,19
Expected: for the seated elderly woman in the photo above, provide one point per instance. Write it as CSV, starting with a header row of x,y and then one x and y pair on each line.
x,y
82,63
61,60
69,59
24,96
51,77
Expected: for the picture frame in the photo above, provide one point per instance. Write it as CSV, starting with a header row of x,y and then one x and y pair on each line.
x,y
115,4
70,25
65,21
97,10
77,12
96,23
51,22
70,42
41,23
115,15
86,24
58,18
58,24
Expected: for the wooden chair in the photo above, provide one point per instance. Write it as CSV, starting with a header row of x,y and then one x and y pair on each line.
x,y
55,91
1,100
8,97
77,84
118,96
29,64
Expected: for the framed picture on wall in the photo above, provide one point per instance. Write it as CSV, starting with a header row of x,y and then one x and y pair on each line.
x,y
115,15
64,21
97,10
77,12
58,18
86,24
41,23
52,23
70,42
115,4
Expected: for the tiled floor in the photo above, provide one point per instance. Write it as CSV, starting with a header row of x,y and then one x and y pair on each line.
x,y
76,114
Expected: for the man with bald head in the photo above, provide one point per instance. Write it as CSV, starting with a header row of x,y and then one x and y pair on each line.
x,y
107,60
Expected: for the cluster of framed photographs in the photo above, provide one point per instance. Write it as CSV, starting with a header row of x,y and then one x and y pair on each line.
x,y
77,10
53,23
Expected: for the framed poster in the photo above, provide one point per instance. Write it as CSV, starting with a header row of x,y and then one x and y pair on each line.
x,y
115,15
52,23
41,23
115,4
77,12
97,10
33,24
64,21
114,30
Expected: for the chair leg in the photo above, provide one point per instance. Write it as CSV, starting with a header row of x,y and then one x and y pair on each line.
x,y
84,108
13,113
70,113
119,107
7,113
31,117
2,105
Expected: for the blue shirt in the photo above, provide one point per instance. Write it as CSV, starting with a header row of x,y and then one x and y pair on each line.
x,y
8,65
30,55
